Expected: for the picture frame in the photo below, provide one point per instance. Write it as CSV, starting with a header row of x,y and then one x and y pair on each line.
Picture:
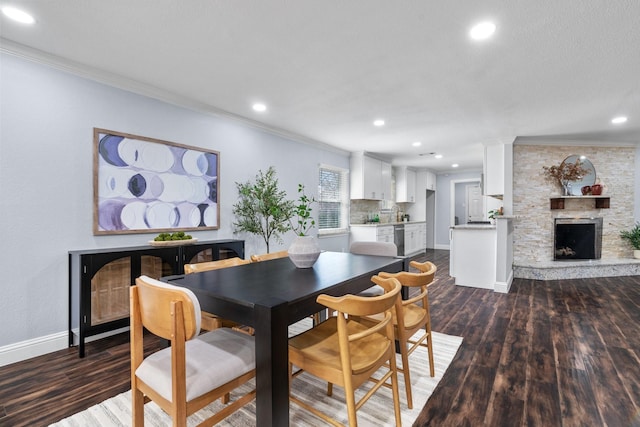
x,y
147,185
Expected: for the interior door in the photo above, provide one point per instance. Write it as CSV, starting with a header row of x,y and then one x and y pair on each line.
x,y
475,203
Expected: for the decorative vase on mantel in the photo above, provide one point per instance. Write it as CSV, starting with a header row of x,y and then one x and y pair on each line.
x,y
304,251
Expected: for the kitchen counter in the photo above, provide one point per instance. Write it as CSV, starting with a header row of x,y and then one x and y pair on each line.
x,y
474,227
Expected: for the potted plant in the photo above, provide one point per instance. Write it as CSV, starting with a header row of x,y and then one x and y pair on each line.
x,y
262,208
633,236
565,174
304,251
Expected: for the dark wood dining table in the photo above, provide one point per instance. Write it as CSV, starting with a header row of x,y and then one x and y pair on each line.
x,y
271,295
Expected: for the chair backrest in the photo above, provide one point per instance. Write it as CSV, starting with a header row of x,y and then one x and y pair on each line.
x,y
153,304
424,267
215,265
269,256
365,306
374,248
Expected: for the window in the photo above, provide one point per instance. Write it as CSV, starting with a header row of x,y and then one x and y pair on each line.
x,y
333,216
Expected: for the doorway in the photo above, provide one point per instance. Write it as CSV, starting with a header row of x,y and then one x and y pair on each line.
x,y
459,213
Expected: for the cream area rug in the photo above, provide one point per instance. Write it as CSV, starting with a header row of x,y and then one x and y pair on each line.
x,y
378,411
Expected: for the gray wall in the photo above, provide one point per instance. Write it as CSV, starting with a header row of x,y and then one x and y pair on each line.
x,y
443,204
46,193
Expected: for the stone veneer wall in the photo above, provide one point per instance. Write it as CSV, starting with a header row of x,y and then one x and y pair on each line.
x,y
533,228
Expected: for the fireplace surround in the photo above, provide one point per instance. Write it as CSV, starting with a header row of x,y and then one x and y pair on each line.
x,y
577,239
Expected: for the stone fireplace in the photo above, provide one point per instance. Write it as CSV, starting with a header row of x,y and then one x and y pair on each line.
x,y
535,215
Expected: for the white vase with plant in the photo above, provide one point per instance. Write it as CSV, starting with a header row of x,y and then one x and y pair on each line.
x,y
633,236
304,251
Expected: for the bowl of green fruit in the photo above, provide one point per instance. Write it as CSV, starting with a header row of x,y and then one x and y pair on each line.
x,y
173,239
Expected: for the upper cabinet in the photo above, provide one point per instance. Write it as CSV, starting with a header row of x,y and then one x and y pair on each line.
x,y
494,170
431,181
405,185
370,178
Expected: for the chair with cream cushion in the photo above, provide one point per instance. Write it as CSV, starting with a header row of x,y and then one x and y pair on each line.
x,y
412,315
197,369
344,352
376,249
209,320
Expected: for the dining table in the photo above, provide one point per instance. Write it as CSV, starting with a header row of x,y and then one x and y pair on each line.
x,y
271,295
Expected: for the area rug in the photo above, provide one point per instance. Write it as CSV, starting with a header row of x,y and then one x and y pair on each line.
x,y
378,411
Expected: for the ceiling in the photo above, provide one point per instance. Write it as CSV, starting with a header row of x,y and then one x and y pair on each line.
x,y
555,71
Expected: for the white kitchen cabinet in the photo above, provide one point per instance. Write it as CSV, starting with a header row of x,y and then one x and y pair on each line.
x,y
370,178
494,170
472,255
405,185
431,181
415,237
384,233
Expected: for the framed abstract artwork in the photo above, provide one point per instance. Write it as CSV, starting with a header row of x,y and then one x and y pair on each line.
x,y
144,185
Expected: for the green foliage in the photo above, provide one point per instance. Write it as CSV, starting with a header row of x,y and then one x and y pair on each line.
x,y
262,208
178,235
302,210
633,236
494,213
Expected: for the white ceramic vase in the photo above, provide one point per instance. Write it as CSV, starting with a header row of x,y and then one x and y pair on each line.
x,y
304,251
636,253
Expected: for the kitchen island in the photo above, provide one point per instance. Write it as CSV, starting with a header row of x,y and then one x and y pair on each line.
x,y
480,255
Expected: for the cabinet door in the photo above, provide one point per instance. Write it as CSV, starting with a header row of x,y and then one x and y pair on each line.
x,y
372,178
385,183
494,170
431,181
411,186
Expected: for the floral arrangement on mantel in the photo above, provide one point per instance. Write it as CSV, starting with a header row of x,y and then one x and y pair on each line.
x,y
565,173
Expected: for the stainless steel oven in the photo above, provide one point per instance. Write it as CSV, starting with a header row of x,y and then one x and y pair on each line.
x,y
398,238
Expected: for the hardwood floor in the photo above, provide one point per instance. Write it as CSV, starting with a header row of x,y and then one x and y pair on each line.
x,y
558,353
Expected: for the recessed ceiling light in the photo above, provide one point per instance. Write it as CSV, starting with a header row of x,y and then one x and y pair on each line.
x,y
455,165
482,31
619,120
259,107
438,156
416,144
378,122
18,15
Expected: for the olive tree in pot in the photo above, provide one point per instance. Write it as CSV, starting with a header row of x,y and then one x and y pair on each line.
x,y
304,251
262,208
633,236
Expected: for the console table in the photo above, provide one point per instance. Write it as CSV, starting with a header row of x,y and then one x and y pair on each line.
x,y
99,280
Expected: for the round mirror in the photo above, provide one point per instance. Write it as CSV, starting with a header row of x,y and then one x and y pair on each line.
x,y
588,179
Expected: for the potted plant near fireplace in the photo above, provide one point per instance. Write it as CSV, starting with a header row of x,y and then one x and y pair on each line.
x,y
633,236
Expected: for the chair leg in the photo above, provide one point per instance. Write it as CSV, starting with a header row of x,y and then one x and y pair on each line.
x,y
137,408
407,374
432,368
394,388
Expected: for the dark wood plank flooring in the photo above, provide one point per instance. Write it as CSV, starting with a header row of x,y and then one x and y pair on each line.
x,y
557,353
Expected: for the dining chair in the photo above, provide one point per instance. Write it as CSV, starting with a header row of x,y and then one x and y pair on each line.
x,y
410,316
196,369
211,321
344,352
376,249
269,256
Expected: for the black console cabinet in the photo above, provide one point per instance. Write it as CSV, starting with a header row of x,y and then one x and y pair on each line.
x,y
99,280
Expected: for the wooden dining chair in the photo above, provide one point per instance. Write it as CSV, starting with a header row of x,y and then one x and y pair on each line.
x,y
197,369
211,321
410,316
344,352
269,256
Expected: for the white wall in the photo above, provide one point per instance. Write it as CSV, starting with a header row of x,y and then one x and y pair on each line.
x,y
46,193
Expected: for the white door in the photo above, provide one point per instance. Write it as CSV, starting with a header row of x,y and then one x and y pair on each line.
x,y
475,205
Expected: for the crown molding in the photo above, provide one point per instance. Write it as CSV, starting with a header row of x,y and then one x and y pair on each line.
x,y
120,82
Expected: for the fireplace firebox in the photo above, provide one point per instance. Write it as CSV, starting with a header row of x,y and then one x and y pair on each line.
x,y
577,238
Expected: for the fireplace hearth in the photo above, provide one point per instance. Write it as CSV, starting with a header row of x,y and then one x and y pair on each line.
x,y
577,238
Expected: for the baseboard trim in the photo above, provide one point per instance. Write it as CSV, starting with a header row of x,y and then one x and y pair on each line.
x,y
504,287
23,350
